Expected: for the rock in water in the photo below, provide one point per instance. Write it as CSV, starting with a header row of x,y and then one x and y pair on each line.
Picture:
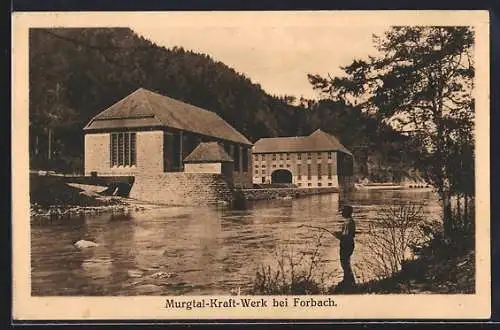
x,y
82,244
134,273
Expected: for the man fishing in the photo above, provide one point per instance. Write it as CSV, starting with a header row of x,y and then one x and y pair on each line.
x,y
346,237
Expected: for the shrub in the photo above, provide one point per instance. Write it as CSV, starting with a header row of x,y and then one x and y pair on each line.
x,y
294,272
390,238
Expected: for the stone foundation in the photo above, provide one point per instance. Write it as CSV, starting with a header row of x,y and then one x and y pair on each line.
x,y
180,188
277,193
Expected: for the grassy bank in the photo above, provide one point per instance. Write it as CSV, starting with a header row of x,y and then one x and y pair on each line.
x,y
446,271
442,269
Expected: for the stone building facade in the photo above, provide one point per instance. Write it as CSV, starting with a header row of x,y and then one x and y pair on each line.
x,y
148,134
314,161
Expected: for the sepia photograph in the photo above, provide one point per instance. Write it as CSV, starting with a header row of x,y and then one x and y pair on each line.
x,y
252,162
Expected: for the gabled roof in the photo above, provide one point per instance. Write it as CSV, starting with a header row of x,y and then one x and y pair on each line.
x,y
317,141
208,152
144,108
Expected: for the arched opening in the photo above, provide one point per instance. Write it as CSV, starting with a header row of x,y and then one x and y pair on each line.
x,y
281,176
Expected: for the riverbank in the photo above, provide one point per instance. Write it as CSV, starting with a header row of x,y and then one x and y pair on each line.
x,y
284,193
446,270
51,196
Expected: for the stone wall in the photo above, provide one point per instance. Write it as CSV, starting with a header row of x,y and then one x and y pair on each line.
x,y
179,188
96,153
242,179
276,193
149,158
203,168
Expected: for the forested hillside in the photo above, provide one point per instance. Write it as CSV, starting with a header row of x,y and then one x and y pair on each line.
x,y
77,73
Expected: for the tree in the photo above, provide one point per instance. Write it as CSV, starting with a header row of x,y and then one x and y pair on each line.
x,y
421,83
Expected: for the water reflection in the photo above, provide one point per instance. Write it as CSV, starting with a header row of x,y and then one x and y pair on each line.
x,y
193,250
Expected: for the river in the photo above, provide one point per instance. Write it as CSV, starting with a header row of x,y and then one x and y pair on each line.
x,y
198,250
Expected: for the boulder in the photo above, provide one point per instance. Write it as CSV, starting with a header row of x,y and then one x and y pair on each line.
x,y
82,244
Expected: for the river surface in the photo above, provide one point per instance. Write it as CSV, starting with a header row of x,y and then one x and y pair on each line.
x,y
199,250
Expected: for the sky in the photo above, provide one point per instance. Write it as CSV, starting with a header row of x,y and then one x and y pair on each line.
x,y
276,52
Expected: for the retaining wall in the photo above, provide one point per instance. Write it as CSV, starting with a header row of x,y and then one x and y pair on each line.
x,y
276,193
180,188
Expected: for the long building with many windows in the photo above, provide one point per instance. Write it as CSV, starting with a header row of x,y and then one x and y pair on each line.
x,y
317,160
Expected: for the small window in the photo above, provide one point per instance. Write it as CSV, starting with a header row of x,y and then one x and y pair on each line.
x,y
287,165
262,157
287,156
319,171
329,184
308,155
299,184
274,165
256,171
263,166
245,159
263,171
319,184
263,179
299,156
281,156
274,156
330,155
309,184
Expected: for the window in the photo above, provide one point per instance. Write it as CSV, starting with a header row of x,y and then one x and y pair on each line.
x,y
263,171
288,165
274,156
281,156
263,179
287,156
299,175
299,184
329,184
263,165
246,159
319,184
309,184
308,171
308,155
330,155
256,166
319,171
262,157
256,171
329,171
122,149
299,156
274,165
236,158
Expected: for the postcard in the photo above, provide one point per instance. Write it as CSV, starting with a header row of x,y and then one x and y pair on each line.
x,y
210,165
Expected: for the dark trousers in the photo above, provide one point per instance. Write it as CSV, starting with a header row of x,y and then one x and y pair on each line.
x,y
346,249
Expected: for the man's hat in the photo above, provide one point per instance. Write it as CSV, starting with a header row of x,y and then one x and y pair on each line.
x,y
347,211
